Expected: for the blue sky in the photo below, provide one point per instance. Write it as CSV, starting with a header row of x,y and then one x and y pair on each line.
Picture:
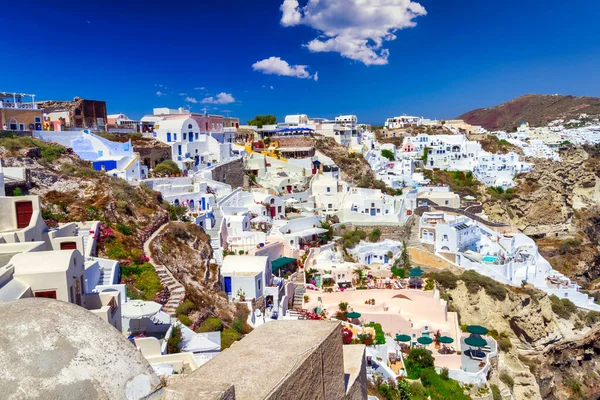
x,y
460,55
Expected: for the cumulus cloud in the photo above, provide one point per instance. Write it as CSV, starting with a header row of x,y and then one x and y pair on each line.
x,y
191,100
277,66
221,98
357,29
160,94
183,94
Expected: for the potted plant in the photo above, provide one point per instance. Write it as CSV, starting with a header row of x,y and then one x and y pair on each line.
x,y
241,294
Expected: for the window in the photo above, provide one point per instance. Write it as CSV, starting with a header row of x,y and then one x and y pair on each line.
x,y
48,294
190,126
175,137
328,189
278,208
329,205
372,204
445,237
179,149
446,202
184,135
259,282
196,135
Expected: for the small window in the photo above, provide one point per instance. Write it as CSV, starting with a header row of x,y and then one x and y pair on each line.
x,y
184,135
259,282
175,137
328,189
190,126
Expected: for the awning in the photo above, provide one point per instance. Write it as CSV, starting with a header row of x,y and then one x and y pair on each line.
x,y
281,262
137,309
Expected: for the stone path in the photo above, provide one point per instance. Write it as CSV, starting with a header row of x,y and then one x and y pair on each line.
x,y
176,289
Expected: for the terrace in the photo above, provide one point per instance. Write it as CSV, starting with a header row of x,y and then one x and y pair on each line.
x,y
17,101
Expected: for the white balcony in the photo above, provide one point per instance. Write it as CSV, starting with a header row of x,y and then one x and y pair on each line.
x,y
21,106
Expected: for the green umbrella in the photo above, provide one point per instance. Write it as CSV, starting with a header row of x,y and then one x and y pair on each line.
x,y
415,273
402,338
445,339
353,315
475,341
477,329
425,340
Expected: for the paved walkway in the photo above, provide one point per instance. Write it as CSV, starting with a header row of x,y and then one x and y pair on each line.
x,y
176,289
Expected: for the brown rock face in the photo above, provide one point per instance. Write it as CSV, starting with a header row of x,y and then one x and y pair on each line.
x,y
533,108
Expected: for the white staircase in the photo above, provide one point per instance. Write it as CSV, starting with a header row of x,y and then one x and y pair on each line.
x,y
215,238
299,291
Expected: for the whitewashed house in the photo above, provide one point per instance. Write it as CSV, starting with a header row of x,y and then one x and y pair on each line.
x,y
376,253
371,206
245,276
448,233
114,158
299,232
191,148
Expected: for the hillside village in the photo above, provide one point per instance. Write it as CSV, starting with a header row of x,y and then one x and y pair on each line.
x,y
430,257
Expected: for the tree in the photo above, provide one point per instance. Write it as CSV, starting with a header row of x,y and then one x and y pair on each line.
x,y
261,120
360,276
405,257
387,154
167,167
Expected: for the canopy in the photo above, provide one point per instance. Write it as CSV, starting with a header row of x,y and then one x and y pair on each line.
x,y
445,339
402,338
475,341
281,262
260,218
415,272
425,340
353,315
137,309
469,197
327,276
477,329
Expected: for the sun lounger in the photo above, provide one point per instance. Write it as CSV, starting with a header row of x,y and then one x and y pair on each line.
x,y
487,349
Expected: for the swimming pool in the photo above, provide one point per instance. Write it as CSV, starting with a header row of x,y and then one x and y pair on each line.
x,y
490,259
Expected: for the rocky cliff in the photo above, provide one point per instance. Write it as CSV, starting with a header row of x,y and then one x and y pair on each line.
x,y
549,354
533,108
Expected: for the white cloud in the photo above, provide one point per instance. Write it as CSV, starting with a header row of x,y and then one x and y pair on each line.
x,y
271,87
221,98
200,88
277,66
183,94
316,76
191,100
159,93
357,29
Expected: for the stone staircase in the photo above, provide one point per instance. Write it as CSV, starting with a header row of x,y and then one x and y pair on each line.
x,y
105,275
276,225
176,290
299,291
297,313
215,240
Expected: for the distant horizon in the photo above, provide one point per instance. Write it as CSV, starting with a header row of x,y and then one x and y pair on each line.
x,y
421,57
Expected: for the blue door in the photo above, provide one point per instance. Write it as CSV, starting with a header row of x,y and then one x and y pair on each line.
x,y
168,137
227,285
373,211
203,203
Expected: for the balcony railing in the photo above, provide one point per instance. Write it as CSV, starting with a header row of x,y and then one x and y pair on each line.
x,y
21,106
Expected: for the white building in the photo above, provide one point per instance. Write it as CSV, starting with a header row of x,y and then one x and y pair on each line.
x,y
507,258
191,149
55,263
299,232
371,206
457,153
403,121
121,123
376,253
245,277
114,158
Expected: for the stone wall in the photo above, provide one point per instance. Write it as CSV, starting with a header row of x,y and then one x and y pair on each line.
x,y
320,376
231,173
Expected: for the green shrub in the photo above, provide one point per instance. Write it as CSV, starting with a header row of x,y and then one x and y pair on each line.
x,y
496,395
418,390
398,272
178,213
445,279
444,373
174,341
429,284
351,238
507,379
116,251
228,337
186,307
124,229
564,308
475,281
240,326
375,235
504,343
379,334
17,192
417,360
387,154
167,167
241,252
85,172
187,321
574,385
568,244
592,317
211,325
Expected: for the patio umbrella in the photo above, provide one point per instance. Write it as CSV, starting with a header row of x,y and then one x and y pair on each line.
x,y
445,339
138,309
415,273
476,341
353,315
402,338
425,340
477,329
